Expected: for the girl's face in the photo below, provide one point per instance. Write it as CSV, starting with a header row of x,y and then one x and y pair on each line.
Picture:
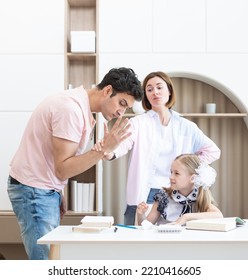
x,y
157,92
180,179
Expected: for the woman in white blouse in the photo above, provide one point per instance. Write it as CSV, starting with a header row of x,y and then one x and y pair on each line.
x,y
157,137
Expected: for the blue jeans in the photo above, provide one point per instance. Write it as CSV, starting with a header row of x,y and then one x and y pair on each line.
x,y
37,212
151,194
129,215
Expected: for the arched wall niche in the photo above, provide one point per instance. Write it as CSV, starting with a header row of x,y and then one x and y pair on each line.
x,y
232,96
227,131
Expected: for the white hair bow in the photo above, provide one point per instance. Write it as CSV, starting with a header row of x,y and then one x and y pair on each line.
x,y
205,176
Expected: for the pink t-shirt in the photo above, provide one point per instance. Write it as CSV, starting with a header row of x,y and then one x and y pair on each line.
x,y
65,115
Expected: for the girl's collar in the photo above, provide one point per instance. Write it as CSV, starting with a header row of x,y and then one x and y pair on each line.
x,y
178,197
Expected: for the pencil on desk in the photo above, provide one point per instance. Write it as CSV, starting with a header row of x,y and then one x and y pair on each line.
x,y
125,226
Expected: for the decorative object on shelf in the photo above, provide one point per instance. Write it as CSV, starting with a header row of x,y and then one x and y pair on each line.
x,y
83,41
210,108
138,108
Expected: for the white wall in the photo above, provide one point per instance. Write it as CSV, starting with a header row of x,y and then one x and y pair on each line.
x,y
205,37
31,67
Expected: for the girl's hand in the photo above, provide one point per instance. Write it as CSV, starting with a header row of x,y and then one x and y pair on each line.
x,y
181,220
142,208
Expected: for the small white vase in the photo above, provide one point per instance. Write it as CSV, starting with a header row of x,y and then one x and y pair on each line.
x,y
210,108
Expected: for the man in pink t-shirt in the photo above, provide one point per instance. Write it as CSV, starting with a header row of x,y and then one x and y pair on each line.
x,y
52,150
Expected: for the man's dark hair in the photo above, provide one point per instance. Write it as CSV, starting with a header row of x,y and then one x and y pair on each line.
x,y
123,80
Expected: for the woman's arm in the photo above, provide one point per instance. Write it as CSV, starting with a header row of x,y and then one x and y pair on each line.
x,y
209,152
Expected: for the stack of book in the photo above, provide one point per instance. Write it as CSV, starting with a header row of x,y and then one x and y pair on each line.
x,y
90,224
223,224
82,196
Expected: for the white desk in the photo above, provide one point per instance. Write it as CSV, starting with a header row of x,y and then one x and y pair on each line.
x,y
138,244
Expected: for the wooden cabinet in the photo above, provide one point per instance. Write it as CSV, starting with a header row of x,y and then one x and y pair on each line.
x,y
80,15
81,69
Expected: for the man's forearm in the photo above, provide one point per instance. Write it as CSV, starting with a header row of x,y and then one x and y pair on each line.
x,y
78,164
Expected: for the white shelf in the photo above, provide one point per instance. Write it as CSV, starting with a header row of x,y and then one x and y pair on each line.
x,y
73,213
79,56
204,115
216,115
81,68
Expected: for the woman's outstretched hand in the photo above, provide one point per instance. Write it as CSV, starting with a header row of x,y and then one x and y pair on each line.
x,y
111,140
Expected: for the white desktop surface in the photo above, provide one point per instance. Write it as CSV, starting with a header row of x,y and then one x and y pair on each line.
x,y
147,244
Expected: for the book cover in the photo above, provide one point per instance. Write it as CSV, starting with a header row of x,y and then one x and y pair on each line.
x,y
85,197
91,197
81,228
223,224
79,198
82,197
73,195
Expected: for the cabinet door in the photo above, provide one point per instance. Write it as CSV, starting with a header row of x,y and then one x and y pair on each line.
x,y
31,52
29,27
125,26
28,79
12,125
31,67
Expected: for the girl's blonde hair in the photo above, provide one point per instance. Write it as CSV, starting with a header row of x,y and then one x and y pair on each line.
x,y
205,197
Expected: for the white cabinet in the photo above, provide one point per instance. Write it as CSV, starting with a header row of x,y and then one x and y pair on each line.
x,y
32,27
12,125
227,23
31,68
27,79
125,26
177,27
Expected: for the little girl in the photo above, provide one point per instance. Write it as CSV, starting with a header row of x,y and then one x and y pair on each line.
x,y
188,197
